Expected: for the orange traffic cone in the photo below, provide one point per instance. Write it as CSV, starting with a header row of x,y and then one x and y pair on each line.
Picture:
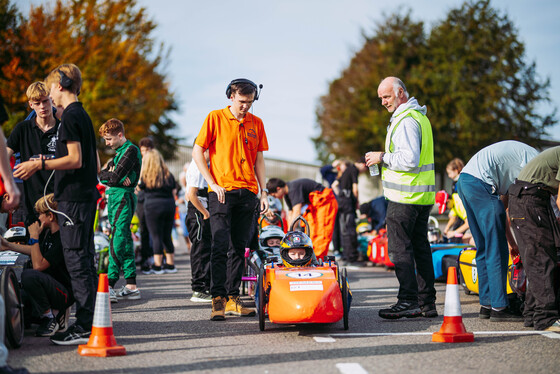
x,y
452,330
102,342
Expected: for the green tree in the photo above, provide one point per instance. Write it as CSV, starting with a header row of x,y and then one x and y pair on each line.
x,y
478,85
111,43
471,72
351,118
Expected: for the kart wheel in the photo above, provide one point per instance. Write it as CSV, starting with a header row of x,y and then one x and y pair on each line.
x,y
261,304
9,286
345,307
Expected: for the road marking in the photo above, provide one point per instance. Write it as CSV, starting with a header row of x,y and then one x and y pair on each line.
x,y
376,290
351,368
330,338
324,339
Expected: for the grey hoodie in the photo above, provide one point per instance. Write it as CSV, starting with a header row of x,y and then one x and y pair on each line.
x,y
406,139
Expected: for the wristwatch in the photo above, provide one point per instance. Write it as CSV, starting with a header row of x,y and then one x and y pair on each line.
x,y
32,241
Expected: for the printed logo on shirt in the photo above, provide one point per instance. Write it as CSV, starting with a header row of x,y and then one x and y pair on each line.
x,y
51,146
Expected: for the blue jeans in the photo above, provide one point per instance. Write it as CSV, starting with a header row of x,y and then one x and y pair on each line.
x,y
487,220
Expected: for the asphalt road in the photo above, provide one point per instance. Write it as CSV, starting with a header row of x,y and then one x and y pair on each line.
x,y
167,333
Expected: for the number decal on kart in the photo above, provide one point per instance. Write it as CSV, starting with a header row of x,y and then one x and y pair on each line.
x,y
304,274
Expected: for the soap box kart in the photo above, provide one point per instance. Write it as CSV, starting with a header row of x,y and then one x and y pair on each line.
x,y
318,293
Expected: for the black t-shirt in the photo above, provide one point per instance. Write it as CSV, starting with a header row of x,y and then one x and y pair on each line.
x,y
299,190
29,140
163,192
51,249
346,198
77,184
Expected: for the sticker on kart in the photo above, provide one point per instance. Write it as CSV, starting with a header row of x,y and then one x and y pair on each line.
x,y
304,274
306,286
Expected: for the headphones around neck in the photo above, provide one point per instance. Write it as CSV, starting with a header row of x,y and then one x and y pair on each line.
x,y
246,81
65,80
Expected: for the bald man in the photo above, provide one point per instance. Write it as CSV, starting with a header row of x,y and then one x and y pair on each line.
x,y
409,185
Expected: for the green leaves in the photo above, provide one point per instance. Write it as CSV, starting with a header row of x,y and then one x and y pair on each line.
x,y
110,41
470,71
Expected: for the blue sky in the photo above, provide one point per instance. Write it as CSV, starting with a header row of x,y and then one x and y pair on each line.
x,y
295,48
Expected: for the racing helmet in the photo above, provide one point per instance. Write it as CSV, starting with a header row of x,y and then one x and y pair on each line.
x,y
270,232
296,239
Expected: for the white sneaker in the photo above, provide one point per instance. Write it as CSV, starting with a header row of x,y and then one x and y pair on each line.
x,y
113,295
127,293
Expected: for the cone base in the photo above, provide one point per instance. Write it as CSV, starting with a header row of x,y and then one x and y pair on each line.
x,y
86,350
467,337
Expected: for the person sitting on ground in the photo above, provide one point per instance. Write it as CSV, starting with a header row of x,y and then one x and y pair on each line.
x,y
47,285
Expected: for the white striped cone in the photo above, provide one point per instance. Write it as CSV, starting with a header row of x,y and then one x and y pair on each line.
x,y
452,330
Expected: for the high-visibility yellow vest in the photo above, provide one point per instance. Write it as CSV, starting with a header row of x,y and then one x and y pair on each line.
x,y
415,186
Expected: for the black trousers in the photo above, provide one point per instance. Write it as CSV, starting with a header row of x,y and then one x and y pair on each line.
x,y
230,223
409,250
146,250
160,218
536,228
79,252
45,292
201,248
348,235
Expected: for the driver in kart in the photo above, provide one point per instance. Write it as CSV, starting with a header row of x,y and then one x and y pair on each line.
x,y
296,250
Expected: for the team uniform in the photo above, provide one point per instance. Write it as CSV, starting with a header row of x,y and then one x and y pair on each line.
x,y
233,148
320,213
76,193
28,140
50,288
121,204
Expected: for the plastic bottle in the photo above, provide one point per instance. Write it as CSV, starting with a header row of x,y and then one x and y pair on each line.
x,y
373,170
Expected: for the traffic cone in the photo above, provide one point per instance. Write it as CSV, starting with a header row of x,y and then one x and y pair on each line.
x,y
102,342
452,330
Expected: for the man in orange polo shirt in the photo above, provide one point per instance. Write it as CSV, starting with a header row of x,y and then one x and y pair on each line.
x,y
235,140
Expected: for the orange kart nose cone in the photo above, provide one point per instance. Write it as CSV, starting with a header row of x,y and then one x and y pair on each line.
x,y
305,295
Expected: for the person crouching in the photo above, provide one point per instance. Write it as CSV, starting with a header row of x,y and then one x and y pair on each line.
x,y
47,284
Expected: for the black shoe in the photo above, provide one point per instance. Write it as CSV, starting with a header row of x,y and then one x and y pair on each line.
x,y
429,310
528,323
74,335
505,315
10,370
401,309
48,327
484,313
62,318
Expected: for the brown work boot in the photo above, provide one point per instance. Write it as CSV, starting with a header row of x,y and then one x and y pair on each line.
x,y
235,307
218,307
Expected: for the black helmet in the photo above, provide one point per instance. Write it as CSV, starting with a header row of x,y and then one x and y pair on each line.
x,y
296,239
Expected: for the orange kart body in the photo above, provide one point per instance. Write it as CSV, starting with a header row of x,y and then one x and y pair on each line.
x,y
303,294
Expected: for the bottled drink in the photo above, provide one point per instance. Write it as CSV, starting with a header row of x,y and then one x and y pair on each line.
x,y
374,170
